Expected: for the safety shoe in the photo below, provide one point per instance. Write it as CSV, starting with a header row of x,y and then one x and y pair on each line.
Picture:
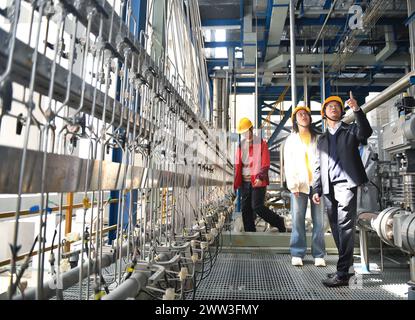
x,y
331,275
319,262
296,261
335,282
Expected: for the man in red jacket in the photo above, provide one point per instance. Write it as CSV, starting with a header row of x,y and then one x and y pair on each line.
x,y
251,175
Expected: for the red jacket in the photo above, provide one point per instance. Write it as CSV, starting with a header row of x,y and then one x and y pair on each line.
x,y
258,162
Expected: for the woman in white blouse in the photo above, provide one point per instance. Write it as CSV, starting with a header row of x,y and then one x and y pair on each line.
x,y
299,154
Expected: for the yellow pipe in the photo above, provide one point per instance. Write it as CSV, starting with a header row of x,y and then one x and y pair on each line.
x,y
21,257
11,214
68,219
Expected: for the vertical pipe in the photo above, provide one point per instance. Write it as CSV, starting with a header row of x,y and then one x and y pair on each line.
x,y
305,85
411,29
381,254
238,196
282,165
412,268
256,69
292,54
323,82
223,113
323,73
68,218
30,105
217,102
234,102
226,103
364,257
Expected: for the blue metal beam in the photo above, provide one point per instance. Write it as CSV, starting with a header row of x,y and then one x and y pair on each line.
x,y
266,105
278,129
275,146
217,62
219,44
244,80
263,21
410,19
328,43
220,22
326,6
283,43
284,120
273,92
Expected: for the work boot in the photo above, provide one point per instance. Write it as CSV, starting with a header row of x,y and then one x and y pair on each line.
x,y
336,282
331,275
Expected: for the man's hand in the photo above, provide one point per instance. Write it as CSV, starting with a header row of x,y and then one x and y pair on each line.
x,y
352,103
296,194
316,198
257,182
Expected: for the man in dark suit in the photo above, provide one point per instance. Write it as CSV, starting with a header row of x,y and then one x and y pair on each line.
x,y
338,172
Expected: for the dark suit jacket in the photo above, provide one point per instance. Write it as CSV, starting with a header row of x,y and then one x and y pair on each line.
x,y
348,139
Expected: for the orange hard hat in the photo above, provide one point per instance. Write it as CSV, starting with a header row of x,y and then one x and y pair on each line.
x,y
330,99
298,108
244,125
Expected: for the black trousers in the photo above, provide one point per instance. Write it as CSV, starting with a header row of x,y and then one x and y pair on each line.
x,y
252,202
341,205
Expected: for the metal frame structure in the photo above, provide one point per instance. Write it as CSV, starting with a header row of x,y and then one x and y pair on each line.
x,y
115,88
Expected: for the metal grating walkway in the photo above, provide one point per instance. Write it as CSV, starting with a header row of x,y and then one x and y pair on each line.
x,y
270,276
72,293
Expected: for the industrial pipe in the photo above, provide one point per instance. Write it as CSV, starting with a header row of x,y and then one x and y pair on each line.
x,y
70,278
364,221
292,55
129,288
282,176
364,256
68,219
132,286
305,89
411,29
399,86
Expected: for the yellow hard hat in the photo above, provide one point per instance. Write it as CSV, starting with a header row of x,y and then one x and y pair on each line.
x,y
298,108
329,99
244,125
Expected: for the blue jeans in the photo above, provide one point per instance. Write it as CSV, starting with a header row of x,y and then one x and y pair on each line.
x,y
298,244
